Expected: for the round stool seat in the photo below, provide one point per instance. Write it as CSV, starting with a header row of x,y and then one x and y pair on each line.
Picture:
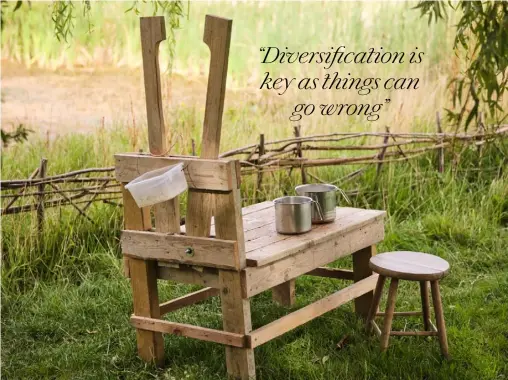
x,y
407,265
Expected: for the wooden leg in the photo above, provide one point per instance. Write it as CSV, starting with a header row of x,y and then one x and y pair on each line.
x,y
146,304
390,308
285,293
375,302
424,293
236,318
362,270
438,310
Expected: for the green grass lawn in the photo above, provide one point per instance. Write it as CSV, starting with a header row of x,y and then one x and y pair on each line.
x,y
66,305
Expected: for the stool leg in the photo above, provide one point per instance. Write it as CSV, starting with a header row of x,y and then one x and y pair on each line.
x,y
438,310
390,308
424,293
375,302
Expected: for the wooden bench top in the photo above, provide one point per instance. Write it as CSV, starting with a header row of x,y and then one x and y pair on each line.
x,y
263,245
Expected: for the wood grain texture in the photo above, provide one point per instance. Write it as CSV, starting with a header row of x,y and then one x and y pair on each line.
x,y
190,331
167,214
236,318
440,321
217,36
146,304
406,265
173,248
258,279
274,249
390,308
285,293
187,300
362,270
309,312
214,175
134,218
153,32
424,295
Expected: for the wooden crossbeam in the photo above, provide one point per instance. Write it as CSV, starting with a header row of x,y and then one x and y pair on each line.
x,y
188,299
181,249
206,277
343,274
401,314
201,174
190,331
309,312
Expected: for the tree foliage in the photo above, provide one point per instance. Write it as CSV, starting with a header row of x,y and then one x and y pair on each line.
x,y
482,38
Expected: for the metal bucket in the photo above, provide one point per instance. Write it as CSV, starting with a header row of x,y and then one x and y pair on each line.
x,y
325,197
293,215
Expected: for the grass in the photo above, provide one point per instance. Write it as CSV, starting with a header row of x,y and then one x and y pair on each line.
x,y
66,304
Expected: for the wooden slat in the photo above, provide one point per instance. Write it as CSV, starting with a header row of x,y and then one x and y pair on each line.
x,y
321,233
214,175
190,331
309,312
258,279
146,304
167,247
134,218
207,277
188,299
343,274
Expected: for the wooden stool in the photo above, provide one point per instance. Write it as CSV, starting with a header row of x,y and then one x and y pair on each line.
x,y
412,266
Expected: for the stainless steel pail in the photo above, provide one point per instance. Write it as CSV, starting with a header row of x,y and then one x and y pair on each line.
x,y
325,196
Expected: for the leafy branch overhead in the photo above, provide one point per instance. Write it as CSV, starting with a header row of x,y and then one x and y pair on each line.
x,y
482,37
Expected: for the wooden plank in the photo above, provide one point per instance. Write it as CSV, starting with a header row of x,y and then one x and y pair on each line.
x,y
207,277
265,234
236,318
258,279
309,312
182,249
153,32
321,233
190,331
134,218
342,274
146,304
188,299
217,36
214,175
361,270
285,293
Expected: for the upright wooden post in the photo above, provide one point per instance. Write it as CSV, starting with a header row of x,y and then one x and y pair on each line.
x,y
153,31
440,159
217,36
362,270
261,152
299,153
40,206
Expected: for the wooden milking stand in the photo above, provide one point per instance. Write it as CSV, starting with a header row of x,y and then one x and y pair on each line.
x,y
237,253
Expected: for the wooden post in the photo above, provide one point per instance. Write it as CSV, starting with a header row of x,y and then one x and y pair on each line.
x,y
362,270
382,152
285,293
390,308
217,36
261,152
153,31
193,144
440,162
40,206
299,153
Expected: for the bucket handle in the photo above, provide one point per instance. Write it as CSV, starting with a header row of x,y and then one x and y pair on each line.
x,y
318,207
